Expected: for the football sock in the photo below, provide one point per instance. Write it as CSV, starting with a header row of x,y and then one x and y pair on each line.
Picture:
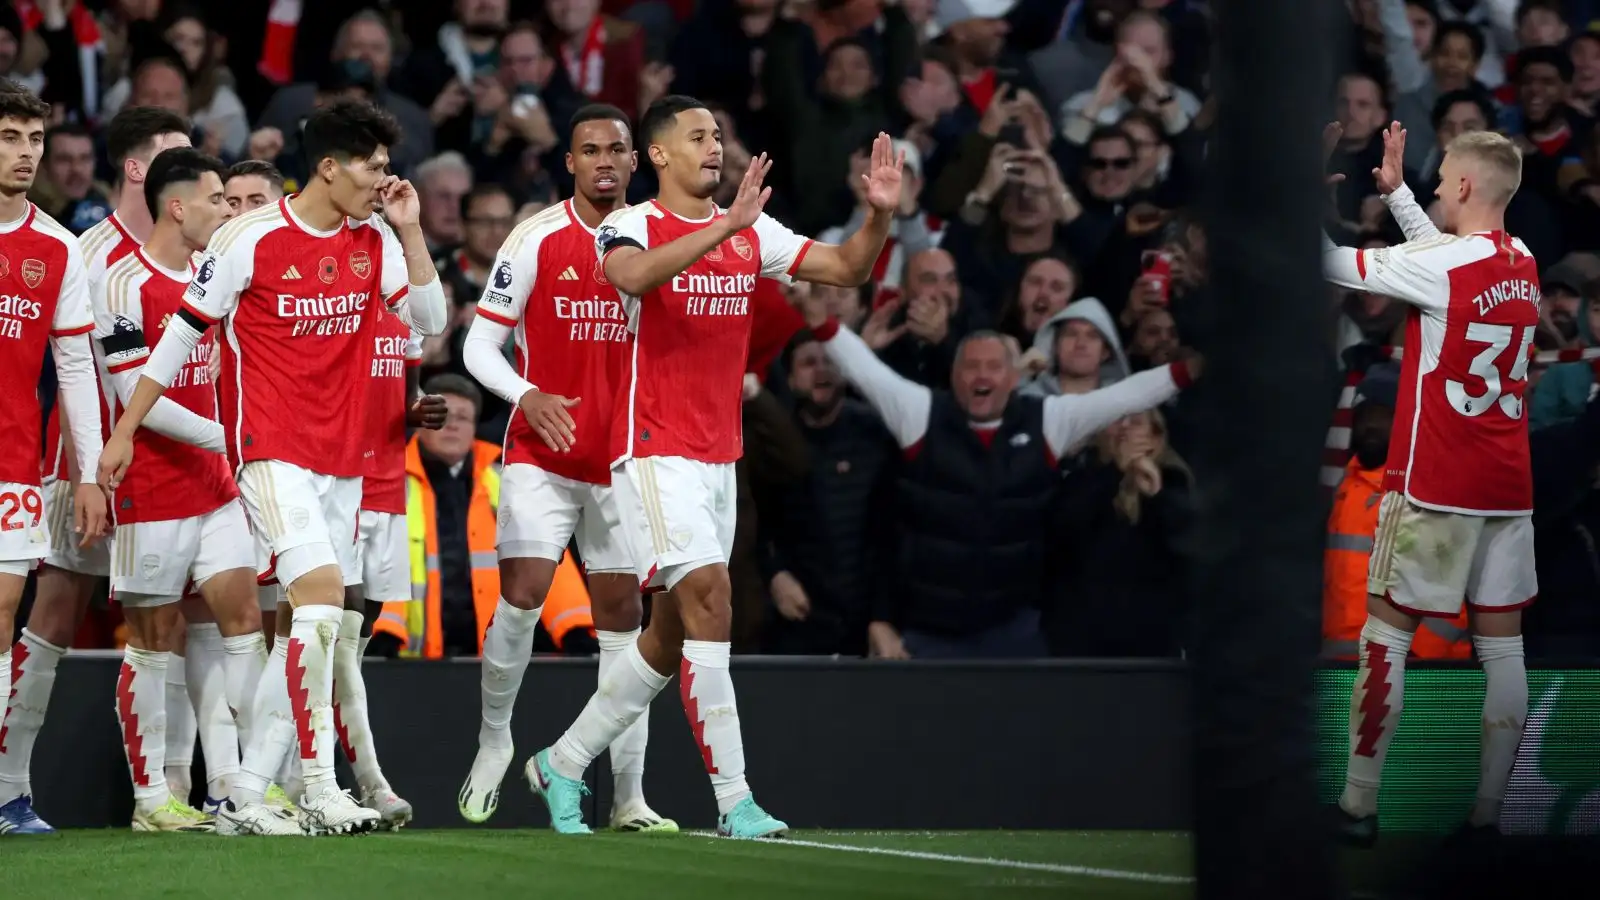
x,y
142,694
507,648
350,718
706,686
244,659
1505,710
32,671
208,692
5,696
624,695
627,751
181,728
310,674
274,732
1374,713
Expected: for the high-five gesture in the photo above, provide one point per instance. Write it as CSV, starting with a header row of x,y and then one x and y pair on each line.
x,y
752,197
883,177
1391,175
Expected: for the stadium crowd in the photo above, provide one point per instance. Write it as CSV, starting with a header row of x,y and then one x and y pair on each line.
x,y
1054,155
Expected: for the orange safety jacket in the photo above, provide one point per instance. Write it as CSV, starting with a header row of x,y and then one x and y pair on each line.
x,y
417,624
1351,527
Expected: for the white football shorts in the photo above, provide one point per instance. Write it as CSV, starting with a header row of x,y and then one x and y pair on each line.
x,y
1427,563
65,554
154,561
677,515
541,511
302,520
384,548
26,526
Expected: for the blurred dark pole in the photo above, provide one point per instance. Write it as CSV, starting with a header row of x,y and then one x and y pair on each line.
x,y
1266,395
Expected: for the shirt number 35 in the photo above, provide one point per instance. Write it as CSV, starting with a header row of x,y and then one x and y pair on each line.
x,y
1486,366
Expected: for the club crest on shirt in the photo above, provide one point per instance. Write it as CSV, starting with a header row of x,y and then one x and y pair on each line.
x,y
32,272
502,275
741,246
328,270
360,263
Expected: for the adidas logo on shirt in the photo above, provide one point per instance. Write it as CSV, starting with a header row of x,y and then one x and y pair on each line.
x,y
292,273
570,274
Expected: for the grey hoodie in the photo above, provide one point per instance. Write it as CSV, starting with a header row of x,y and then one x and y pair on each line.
x,y
1094,312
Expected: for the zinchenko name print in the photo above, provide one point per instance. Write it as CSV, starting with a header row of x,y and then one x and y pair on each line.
x,y
324,315
1516,289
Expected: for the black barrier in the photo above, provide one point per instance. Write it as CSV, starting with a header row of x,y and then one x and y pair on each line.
x,y
830,743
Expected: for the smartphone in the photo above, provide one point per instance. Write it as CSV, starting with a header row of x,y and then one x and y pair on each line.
x,y
1157,265
526,100
1012,133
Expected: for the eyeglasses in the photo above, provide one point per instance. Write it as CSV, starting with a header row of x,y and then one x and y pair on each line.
x,y
1101,163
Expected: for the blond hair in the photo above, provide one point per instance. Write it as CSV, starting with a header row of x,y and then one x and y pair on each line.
x,y
1129,501
1495,158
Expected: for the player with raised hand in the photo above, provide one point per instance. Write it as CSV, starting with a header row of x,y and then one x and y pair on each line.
x,y
179,520
295,288
44,299
685,271
572,344
1456,519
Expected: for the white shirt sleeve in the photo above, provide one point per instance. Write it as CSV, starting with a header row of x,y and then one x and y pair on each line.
x,y
1409,215
500,309
1414,271
73,312
423,307
75,367
903,405
781,249
1070,419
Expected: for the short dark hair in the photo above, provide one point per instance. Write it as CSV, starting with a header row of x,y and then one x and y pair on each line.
x,y
1560,59
346,130
134,128
1474,37
485,189
17,102
246,168
177,165
598,112
69,129
1441,106
1526,7
663,114
1109,133
452,385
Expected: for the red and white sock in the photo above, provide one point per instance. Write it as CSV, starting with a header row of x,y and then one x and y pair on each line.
x,y
32,674
1375,706
1505,711
310,669
182,729
5,694
706,686
624,695
244,659
208,691
507,648
350,718
273,736
627,751
142,690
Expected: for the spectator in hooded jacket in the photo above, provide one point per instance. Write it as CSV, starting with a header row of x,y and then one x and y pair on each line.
x,y
1081,352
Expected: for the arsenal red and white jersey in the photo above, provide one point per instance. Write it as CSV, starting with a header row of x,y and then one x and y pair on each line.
x,y
298,310
682,396
107,242
43,295
396,349
1460,441
168,479
571,336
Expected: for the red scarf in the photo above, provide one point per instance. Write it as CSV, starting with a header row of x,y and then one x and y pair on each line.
x,y
277,48
587,68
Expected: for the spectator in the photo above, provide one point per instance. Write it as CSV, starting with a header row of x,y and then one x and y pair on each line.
x,y
68,191
1563,391
1422,74
828,537
455,75
1363,112
1021,208
365,38
1075,62
719,56
974,32
1048,285
1138,78
452,492
160,81
1121,573
1155,341
1549,131
932,100
910,233
1584,94
1081,350
924,326
442,183
218,115
775,459
604,56
487,218
251,185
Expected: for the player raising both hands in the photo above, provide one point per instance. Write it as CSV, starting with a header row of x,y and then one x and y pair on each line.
x,y
1456,519
685,271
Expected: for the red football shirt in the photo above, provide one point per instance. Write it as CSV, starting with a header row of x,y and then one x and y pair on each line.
x,y
168,479
570,333
682,396
43,295
1460,426
105,243
298,310
395,350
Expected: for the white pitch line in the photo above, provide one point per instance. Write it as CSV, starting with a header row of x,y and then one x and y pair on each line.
x,y
1054,868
